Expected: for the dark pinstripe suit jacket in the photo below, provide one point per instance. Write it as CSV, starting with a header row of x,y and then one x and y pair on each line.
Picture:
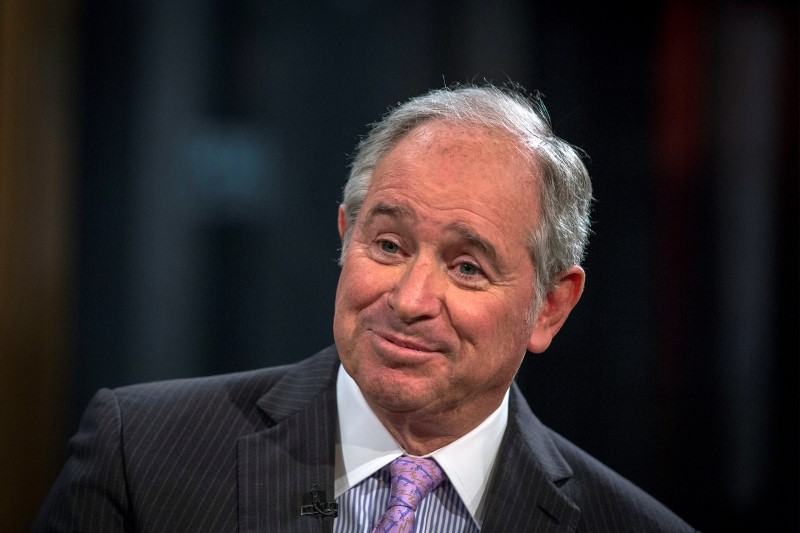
x,y
241,452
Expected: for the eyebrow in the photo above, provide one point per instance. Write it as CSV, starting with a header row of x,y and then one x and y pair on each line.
x,y
474,239
390,210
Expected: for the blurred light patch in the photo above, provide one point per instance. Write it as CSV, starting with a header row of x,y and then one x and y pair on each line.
x,y
233,170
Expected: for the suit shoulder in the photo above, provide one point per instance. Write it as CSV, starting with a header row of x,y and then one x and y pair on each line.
x,y
240,392
602,493
191,388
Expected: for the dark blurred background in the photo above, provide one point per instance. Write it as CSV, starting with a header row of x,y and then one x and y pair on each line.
x,y
169,178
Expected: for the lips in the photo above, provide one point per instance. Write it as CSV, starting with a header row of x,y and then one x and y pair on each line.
x,y
409,343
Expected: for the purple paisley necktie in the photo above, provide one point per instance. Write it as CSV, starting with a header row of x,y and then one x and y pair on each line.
x,y
412,479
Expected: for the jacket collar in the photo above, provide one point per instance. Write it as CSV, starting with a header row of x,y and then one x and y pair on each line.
x,y
525,493
278,466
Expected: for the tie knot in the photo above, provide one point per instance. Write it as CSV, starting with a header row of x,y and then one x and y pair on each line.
x,y
412,479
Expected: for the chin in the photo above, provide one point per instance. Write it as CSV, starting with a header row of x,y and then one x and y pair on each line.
x,y
398,404
397,394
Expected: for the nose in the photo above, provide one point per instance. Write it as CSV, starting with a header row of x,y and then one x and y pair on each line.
x,y
419,292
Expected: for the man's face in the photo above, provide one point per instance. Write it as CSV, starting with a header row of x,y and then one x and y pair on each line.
x,y
436,283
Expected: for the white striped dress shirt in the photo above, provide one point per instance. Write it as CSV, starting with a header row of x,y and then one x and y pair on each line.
x,y
363,483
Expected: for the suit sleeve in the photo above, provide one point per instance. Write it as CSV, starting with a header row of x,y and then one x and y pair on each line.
x,y
90,494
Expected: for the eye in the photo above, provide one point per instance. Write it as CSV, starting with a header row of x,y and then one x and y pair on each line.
x,y
389,247
469,275
468,269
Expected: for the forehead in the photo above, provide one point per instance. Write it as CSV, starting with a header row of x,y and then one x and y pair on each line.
x,y
459,170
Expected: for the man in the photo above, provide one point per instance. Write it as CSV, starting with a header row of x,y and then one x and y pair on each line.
x,y
463,225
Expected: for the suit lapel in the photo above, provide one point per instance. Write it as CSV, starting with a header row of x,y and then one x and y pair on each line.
x,y
278,465
524,494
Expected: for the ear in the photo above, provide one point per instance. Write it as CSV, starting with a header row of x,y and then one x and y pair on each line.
x,y
556,308
342,221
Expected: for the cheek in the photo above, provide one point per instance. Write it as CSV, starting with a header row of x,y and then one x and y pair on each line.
x,y
497,338
360,285
492,325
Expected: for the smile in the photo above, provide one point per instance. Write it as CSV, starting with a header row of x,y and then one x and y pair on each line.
x,y
390,340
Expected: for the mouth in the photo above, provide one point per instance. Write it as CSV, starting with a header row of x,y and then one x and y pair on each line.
x,y
415,345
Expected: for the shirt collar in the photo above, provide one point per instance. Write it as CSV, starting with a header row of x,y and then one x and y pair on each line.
x,y
364,446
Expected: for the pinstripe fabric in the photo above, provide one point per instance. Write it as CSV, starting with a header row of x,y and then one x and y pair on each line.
x,y
227,453
442,511
543,483
295,453
240,453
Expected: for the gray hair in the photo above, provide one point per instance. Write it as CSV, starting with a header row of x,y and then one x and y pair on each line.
x,y
565,190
